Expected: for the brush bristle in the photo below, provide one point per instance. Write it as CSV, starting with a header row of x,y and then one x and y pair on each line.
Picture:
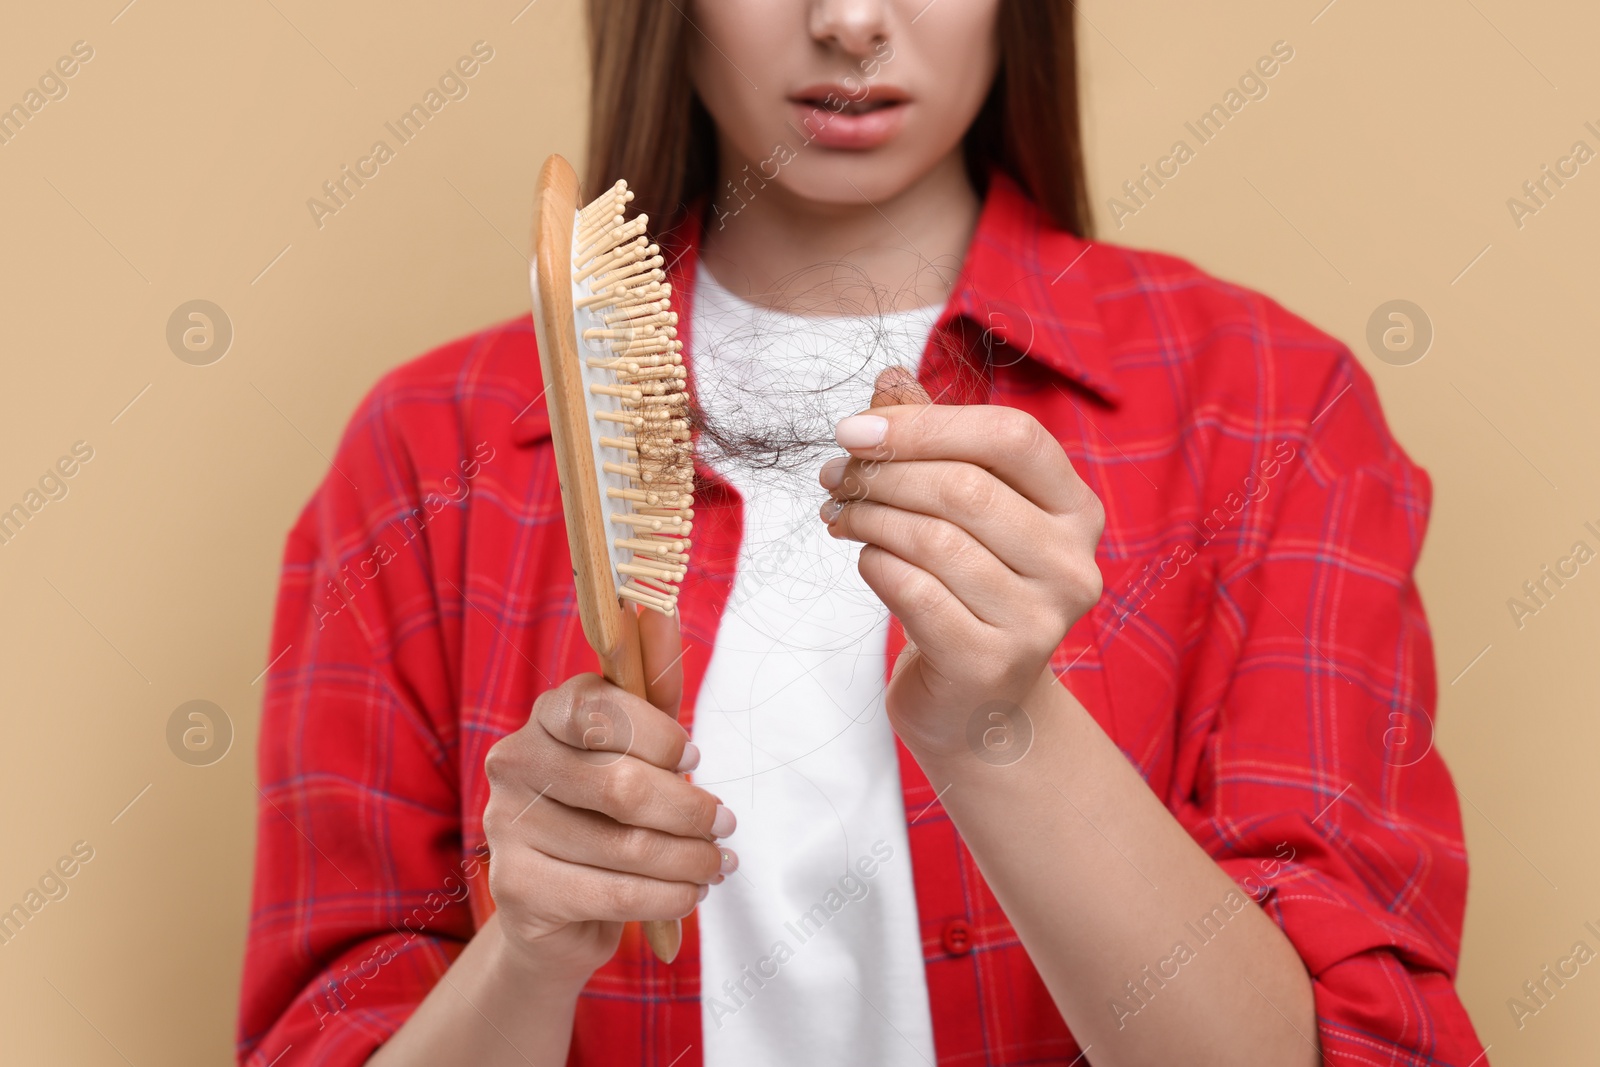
x,y
643,405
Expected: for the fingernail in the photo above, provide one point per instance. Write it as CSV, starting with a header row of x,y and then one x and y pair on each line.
x,y
724,823
691,758
703,891
730,861
833,472
831,509
861,431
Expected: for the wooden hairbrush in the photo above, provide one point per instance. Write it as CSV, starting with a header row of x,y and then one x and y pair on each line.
x,y
615,391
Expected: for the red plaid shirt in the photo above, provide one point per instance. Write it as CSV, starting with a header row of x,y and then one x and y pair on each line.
x,y
1260,654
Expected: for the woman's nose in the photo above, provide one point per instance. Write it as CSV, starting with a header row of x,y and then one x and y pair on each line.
x,y
856,26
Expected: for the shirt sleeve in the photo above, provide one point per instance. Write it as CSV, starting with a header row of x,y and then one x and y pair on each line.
x,y
360,892
1320,790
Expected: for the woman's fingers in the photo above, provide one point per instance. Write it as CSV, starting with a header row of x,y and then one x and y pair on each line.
x,y
588,816
984,585
634,792
934,618
595,840
596,747
1006,441
897,385
570,892
592,715
1022,536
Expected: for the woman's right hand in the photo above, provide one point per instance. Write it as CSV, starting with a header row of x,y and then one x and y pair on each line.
x,y
590,822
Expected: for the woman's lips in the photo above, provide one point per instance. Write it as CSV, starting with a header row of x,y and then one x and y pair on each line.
x,y
837,121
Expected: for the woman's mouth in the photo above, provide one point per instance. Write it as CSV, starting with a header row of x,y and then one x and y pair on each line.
x,y
853,119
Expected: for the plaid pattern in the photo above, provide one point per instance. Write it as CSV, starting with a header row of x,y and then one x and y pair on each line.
x,y
1258,646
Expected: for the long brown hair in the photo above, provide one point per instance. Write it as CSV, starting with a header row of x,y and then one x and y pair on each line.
x,y
647,125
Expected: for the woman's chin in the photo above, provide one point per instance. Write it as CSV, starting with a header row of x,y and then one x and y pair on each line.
x,y
846,180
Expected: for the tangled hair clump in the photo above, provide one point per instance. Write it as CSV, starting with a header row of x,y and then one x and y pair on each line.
x,y
755,410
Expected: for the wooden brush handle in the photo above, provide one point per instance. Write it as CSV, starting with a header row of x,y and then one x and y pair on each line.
x,y
610,625
623,666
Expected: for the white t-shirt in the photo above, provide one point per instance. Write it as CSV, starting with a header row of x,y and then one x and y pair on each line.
x,y
810,952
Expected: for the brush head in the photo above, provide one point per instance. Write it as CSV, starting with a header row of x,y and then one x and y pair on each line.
x,y
637,398
616,393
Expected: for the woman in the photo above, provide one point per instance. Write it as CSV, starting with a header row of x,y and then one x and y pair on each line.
x,y
1143,572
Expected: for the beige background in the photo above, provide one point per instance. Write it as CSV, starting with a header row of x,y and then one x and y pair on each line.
x,y
178,167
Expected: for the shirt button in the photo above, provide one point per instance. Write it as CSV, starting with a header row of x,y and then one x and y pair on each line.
x,y
957,937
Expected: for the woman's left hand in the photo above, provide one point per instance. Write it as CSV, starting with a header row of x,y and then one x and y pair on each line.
x,y
979,536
